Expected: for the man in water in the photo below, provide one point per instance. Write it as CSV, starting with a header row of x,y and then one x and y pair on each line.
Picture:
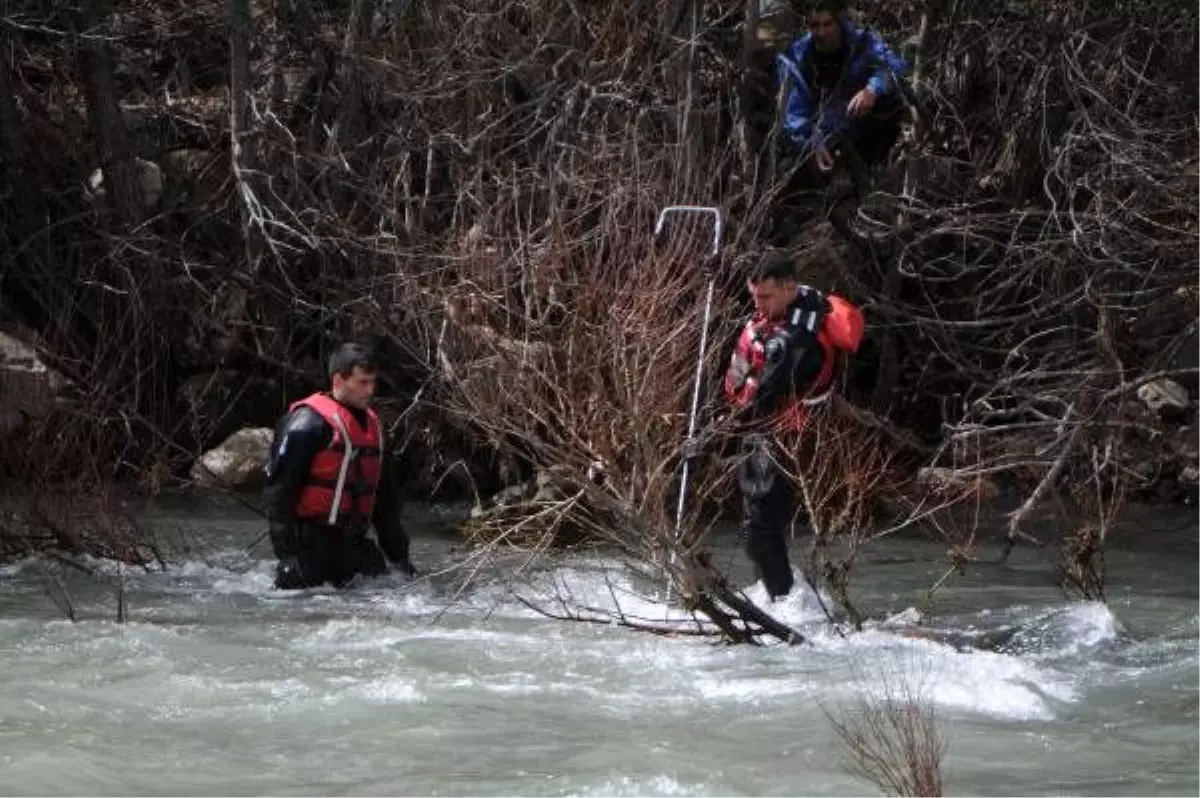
x,y
843,90
783,365
326,484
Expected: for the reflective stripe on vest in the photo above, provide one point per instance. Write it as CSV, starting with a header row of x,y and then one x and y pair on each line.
x,y
347,456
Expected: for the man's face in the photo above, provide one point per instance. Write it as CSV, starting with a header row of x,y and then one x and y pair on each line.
x,y
355,389
771,296
825,30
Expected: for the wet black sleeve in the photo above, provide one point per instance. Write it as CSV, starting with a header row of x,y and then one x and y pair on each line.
x,y
393,537
806,366
794,361
298,437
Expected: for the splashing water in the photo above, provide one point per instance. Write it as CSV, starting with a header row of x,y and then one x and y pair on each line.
x,y
221,684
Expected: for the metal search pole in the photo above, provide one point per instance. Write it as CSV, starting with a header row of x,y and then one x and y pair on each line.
x,y
713,254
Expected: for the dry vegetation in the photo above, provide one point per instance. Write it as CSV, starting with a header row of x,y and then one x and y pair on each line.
x,y
889,734
472,186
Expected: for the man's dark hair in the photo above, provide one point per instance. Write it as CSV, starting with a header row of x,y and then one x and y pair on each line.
x,y
835,7
775,264
347,356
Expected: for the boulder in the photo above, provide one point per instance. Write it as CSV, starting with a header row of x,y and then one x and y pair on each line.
x,y
238,463
27,385
1164,394
149,178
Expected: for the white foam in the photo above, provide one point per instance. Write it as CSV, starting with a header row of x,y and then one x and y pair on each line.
x,y
16,567
984,682
1086,625
381,615
256,579
387,690
744,690
351,634
800,607
655,785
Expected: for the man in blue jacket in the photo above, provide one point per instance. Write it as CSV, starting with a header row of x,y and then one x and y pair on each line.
x,y
843,91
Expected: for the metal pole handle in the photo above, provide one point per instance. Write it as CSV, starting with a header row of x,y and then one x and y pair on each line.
x,y
718,223
713,253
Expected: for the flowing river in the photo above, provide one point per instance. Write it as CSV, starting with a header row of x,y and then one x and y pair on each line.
x,y
218,684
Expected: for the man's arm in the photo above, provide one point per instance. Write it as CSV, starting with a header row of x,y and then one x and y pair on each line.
x,y
794,356
887,65
733,385
790,370
393,537
298,438
798,120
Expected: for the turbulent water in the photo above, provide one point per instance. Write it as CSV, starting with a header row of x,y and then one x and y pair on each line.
x,y
219,685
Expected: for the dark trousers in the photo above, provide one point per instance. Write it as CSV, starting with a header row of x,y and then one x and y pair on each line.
x,y
871,138
768,501
335,555
860,151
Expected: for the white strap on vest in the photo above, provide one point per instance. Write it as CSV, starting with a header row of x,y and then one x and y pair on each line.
x,y
347,456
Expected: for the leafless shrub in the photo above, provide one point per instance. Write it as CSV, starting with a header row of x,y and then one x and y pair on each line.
x,y
592,393
890,735
70,506
64,497
1046,296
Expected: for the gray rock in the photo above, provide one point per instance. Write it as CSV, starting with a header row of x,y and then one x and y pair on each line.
x,y
26,383
1190,476
150,181
237,463
1163,393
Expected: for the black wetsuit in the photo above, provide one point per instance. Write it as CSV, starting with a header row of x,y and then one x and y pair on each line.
x,y
794,362
312,553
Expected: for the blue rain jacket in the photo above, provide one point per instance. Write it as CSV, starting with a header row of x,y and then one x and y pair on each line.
x,y
813,117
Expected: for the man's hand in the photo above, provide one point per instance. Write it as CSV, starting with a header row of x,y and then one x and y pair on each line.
x,y
694,446
289,575
824,159
285,537
861,103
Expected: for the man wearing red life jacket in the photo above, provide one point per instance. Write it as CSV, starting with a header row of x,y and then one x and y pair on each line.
x,y
782,366
327,484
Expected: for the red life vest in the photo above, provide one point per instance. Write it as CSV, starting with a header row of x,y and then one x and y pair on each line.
x,y
343,477
839,329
